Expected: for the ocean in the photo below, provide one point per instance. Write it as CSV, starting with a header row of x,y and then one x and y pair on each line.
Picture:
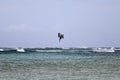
x,y
59,64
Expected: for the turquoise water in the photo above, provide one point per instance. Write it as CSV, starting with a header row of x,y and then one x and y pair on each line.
x,y
59,66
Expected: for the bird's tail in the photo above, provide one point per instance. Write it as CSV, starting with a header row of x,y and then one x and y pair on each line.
x,y
59,40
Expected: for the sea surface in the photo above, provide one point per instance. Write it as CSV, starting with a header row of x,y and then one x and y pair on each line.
x,y
58,64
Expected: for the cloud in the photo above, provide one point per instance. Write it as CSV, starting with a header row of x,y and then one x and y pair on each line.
x,y
32,28
58,28
7,8
21,28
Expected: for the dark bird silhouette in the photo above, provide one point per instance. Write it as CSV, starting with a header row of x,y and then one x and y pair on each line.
x,y
60,36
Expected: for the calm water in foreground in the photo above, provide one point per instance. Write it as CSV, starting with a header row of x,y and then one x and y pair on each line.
x,y
59,66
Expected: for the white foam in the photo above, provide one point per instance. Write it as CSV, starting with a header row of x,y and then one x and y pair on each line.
x,y
49,50
20,50
1,49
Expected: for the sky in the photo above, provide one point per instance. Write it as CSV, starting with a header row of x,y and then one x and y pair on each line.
x,y
36,23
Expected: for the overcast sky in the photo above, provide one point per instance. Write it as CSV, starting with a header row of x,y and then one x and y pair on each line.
x,y
35,23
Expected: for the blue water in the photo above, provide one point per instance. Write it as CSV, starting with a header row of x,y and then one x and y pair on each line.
x,y
41,56
66,65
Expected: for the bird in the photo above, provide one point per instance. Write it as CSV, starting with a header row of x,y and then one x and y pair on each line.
x,y
60,36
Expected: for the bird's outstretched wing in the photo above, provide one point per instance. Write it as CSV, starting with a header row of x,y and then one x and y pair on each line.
x,y
60,36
